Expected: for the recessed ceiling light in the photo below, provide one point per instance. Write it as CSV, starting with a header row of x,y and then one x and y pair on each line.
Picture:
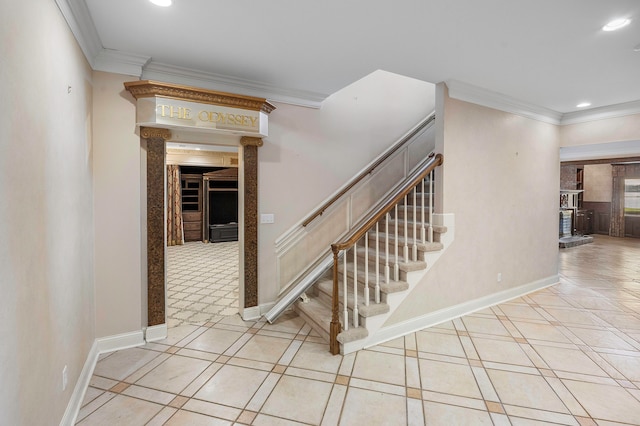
x,y
616,24
163,3
583,104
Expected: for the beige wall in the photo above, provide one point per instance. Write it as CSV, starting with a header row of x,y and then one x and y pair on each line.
x,y
46,212
311,153
598,182
501,181
618,129
117,208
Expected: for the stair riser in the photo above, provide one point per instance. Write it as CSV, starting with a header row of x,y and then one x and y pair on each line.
x,y
401,233
327,297
401,277
322,330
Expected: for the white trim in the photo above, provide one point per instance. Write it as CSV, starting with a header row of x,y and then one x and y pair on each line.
x,y
75,403
477,95
256,312
81,25
117,62
120,341
600,150
155,333
415,324
600,113
212,81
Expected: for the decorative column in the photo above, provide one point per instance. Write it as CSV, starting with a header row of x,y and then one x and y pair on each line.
x,y
156,225
616,227
250,174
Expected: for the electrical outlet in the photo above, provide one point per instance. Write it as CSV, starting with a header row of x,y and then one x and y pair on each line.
x,y
65,379
499,276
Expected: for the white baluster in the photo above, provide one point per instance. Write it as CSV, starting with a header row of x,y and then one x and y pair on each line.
x,y
405,251
355,286
415,225
377,291
366,269
396,267
344,285
386,249
431,207
423,231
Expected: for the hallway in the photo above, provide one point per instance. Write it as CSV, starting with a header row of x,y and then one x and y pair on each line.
x,y
568,354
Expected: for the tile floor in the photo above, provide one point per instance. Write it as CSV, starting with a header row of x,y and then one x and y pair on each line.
x,y
569,354
202,282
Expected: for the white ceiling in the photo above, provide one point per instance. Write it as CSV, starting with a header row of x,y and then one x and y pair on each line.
x,y
551,54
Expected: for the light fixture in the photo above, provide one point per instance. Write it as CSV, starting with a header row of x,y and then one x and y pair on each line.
x,y
163,3
636,48
616,24
583,104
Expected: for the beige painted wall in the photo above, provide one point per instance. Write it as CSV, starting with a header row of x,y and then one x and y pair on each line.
x,y
117,203
501,180
618,129
46,213
311,153
598,182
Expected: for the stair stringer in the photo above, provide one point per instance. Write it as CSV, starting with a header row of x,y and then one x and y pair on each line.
x,y
375,323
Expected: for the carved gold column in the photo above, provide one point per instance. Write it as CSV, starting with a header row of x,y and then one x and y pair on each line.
x,y
156,226
250,159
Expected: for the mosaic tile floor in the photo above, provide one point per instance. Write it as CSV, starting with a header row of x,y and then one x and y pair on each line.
x,y
569,354
202,282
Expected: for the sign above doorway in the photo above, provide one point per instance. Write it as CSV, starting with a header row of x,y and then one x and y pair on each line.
x,y
179,107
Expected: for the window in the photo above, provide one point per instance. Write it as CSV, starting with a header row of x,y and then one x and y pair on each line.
x,y
632,197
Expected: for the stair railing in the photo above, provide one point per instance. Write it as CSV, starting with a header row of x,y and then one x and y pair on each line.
x,y
421,232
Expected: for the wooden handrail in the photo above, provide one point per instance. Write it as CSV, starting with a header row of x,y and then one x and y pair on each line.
x,y
388,203
384,207
367,171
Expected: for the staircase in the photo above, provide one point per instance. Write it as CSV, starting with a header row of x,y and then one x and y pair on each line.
x,y
397,245
350,264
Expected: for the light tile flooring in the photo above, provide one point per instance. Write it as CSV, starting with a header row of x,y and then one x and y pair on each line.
x,y
569,354
202,282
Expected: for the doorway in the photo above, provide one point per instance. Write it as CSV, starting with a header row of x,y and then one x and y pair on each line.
x,y
203,268
196,115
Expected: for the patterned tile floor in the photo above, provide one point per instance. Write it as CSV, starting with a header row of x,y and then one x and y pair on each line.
x,y
202,282
568,354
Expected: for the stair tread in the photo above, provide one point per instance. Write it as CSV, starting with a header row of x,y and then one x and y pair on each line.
x,y
352,334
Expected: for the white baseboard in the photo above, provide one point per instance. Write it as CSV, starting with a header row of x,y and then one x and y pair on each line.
x,y
120,341
256,312
156,332
75,403
101,345
415,324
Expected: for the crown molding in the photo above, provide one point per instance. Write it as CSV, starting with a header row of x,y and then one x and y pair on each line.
x,y
117,62
618,150
477,95
610,111
78,18
189,77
